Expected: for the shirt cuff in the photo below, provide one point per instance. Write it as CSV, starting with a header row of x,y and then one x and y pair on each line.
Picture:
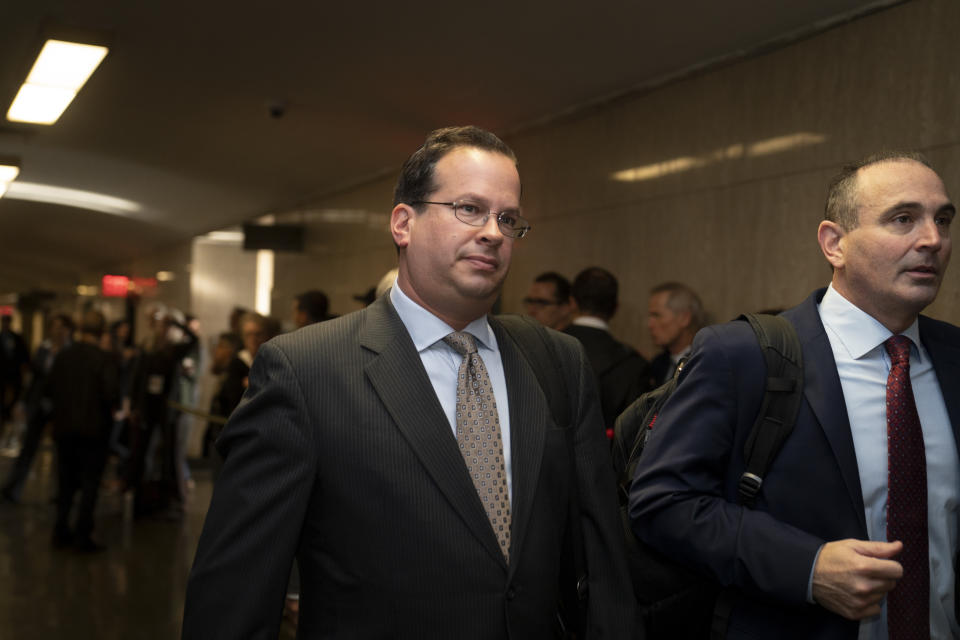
x,y
810,580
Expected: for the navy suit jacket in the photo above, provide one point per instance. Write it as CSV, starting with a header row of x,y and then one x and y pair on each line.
x,y
341,455
683,499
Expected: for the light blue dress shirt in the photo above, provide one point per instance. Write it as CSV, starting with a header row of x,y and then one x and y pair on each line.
x,y
442,363
863,366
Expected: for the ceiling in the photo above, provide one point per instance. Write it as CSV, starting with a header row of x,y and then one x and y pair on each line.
x,y
206,114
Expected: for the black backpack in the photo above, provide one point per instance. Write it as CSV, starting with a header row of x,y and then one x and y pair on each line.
x,y
676,602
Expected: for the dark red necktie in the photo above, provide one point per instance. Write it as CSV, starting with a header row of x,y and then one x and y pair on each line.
x,y
908,605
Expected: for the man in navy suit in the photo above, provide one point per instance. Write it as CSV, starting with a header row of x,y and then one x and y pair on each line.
x,y
344,451
813,559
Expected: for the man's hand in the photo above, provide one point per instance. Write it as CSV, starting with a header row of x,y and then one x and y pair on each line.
x,y
851,577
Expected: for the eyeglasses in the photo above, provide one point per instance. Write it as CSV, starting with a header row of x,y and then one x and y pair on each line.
x,y
539,302
510,222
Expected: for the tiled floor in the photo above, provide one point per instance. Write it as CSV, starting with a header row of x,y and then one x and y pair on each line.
x,y
133,590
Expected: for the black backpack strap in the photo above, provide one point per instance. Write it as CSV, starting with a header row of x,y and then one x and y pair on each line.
x,y
781,399
778,413
537,347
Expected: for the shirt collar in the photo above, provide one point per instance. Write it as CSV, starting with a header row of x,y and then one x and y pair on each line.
x,y
858,331
426,329
591,321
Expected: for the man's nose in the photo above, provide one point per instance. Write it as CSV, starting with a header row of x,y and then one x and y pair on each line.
x,y
930,234
491,229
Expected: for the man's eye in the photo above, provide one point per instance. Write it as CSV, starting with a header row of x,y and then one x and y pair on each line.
x,y
508,218
902,218
469,208
944,221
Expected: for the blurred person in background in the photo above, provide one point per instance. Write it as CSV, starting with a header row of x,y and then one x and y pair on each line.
x,y
37,403
83,392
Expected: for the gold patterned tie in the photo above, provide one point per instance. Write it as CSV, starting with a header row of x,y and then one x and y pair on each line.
x,y
478,434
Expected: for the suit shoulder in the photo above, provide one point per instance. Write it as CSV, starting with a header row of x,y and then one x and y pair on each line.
x,y
319,339
564,343
930,327
733,335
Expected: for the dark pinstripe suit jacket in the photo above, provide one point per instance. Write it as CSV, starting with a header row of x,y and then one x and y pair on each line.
x,y
341,455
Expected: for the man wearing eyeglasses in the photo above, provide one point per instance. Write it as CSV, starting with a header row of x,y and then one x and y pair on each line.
x,y
549,301
406,454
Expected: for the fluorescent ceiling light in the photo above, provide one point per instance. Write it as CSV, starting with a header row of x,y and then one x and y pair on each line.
x,y
734,151
224,237
40,105
8,173
56,77
72,198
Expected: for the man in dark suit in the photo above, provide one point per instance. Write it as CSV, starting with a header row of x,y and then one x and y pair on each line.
x,y
346,449
83,390
622,373
832,549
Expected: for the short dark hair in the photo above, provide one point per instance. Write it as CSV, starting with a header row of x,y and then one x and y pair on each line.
x,y
682,298
92,323
65,320
314,303
416,176
841,206
233,340
595,291
561,286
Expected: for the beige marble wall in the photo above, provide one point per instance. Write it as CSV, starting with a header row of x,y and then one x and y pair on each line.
x,y
740,228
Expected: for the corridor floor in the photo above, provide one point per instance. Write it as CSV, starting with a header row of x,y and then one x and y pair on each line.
x,y
134,590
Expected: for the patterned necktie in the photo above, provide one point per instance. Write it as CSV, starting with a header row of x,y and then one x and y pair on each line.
x,y
908,605
478,434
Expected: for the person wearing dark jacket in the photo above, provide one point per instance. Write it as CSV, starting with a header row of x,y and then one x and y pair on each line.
x,y
83,390
622,373
37,403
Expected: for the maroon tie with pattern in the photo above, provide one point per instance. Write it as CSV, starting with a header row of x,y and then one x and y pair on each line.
x,y
478,434
908,605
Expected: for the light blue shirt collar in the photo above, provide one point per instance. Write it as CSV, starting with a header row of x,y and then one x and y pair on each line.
x,y
426,329
858,331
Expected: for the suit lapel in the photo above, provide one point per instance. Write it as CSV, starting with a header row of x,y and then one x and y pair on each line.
x,y
824,394
527,432
402,384
946,364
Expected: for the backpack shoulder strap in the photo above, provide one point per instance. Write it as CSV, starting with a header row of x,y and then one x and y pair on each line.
x,y
537,347
781,399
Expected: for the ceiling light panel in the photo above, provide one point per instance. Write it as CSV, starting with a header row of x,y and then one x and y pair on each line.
x,y
66,64
59,72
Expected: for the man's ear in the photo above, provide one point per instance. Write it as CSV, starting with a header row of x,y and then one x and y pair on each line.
x,y
401,219
685,318
830,236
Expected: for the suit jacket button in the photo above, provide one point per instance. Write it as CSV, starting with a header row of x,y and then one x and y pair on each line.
x,y
511,593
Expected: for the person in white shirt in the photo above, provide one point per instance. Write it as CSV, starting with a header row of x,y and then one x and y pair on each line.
x,y
851,537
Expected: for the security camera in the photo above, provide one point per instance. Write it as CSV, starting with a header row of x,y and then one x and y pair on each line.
x,y
277,109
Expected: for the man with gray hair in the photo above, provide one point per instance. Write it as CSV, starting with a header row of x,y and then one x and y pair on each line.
x,y
676,314
854,530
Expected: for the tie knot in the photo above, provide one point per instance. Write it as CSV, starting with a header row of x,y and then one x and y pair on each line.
x,y
462,342
898,348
